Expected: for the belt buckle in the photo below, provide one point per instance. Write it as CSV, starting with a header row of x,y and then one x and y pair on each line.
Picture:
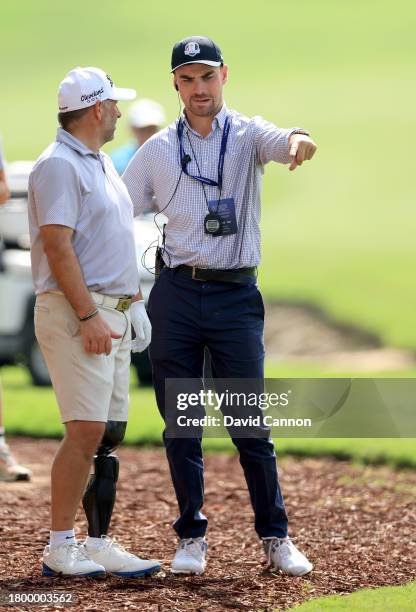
x,y
194,277
123,304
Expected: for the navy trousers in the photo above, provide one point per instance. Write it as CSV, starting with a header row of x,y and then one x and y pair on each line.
x,y
228,318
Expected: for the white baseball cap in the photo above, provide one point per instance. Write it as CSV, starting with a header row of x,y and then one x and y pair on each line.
x,y
146,112
82,87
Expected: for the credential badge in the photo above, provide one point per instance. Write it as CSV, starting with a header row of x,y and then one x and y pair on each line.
x,y
192,49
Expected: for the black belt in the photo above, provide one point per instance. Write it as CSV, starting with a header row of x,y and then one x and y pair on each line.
x,y
236,275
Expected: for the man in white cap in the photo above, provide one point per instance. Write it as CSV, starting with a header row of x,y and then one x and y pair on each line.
x,y
145,118
86,281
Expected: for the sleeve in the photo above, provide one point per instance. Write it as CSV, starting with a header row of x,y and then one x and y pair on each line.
x,y
272,142
57,193
1,161
138,180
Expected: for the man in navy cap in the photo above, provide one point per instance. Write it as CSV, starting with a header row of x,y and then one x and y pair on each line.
x,y
204,172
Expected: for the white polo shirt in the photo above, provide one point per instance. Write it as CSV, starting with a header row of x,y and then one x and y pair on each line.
x,y
72,186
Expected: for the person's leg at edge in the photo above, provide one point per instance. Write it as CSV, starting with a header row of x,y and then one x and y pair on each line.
x,y
10,469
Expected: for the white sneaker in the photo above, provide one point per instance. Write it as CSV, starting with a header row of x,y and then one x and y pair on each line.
x,y
190,556
282,554
70,559
10,470
118,562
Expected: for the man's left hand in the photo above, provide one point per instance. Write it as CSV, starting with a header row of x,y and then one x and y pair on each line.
x,y
142,326
302,147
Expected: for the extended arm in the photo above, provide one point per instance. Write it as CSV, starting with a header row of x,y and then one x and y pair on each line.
x,y
281,145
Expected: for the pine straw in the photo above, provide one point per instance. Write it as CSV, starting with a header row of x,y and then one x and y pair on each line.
x,y
356,524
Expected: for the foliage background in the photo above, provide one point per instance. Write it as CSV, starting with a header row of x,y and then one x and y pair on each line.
x,y
338,232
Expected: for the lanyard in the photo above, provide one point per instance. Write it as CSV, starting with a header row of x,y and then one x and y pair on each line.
x,y
184,159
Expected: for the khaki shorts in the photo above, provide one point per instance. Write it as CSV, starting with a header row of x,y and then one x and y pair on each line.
x,y
88,387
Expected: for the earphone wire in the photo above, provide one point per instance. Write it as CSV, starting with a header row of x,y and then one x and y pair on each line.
x,y
155,243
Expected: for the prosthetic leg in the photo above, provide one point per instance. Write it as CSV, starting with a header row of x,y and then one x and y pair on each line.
x,y
100,494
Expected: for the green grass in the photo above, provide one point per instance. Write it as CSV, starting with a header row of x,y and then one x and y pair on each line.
x,y
338,232
32,411
384,599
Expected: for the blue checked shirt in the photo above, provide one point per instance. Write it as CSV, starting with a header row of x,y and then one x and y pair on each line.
x,y
153,174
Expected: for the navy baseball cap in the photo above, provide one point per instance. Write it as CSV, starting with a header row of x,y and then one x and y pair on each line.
x,y
196,50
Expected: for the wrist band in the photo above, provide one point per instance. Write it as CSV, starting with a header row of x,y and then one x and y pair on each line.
x,y
300,131
90,315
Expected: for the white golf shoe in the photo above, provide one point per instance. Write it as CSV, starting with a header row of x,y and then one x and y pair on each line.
x,y
282,554
118,562
10,470
190,556
70,559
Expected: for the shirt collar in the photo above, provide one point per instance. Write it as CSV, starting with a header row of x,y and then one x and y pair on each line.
x,y
221,116
78,146
219,119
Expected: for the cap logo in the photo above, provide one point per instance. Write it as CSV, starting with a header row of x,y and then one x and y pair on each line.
x,y
94,95
109,78
192,49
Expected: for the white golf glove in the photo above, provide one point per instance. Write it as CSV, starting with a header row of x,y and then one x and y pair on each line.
x,y
142,327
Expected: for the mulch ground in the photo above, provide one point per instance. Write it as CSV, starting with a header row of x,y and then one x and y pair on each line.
x,y
357,524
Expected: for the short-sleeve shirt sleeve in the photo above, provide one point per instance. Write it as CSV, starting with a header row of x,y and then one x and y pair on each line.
x,y
57,193
137,178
